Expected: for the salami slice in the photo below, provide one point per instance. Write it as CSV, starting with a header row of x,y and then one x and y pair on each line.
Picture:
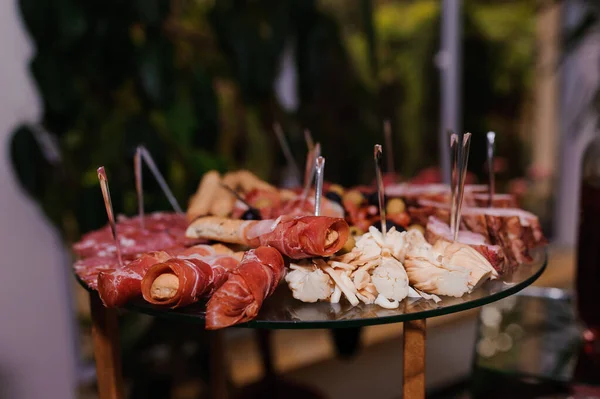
x,y
162,230
186,278
242,295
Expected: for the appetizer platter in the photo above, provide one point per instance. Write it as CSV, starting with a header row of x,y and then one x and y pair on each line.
x,y
246,251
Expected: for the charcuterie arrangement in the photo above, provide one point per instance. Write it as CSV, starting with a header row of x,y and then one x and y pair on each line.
x,y
241,238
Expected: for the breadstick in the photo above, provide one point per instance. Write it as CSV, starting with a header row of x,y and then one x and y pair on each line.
x,y
201,202
249,181
219,229
223,200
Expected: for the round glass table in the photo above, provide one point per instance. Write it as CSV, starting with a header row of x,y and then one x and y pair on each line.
x,y
282,311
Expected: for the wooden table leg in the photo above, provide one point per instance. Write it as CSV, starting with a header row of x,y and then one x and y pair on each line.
x,y
218,369
105,334
414,359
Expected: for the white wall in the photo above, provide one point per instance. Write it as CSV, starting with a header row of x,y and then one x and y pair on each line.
x,y
36,335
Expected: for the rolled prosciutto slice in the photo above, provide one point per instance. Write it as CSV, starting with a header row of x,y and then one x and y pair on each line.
x,y
121,284
186,278
242,295
295,237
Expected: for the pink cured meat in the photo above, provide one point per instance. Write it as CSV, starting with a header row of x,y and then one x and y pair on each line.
x,y
241,297
199,276
88,269
306,236
161,230
119,285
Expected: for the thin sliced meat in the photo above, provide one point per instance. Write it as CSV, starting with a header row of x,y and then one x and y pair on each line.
x,y
186,278
118,286
88,269
295,237
241,297
161,230
438,230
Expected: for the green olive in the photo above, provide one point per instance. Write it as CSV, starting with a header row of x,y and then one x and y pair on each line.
x,y
395,206
355,231
354,196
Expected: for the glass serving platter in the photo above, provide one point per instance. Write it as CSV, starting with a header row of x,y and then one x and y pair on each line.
x,y
282,311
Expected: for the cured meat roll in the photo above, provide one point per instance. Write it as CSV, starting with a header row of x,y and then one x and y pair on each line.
x,y
184,279
118,286
242,295
297,238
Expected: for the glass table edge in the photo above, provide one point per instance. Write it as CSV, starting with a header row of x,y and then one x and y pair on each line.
x,y
329,324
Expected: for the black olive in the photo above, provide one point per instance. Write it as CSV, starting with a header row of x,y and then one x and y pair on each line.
x,y
389,224
373,199
251,214
333,196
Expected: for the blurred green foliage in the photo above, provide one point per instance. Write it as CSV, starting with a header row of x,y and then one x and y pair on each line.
x,y
194,80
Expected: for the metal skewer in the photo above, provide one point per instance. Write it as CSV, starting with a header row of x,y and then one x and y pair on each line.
x,y
454,159
109,211
491,138
160,179
463,157
387,132
377,154
319,189
310,144
236,195
137,167
287,152
310,169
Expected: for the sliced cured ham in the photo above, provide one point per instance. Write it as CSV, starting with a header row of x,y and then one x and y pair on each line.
x,y
121,284
515,230
88,269
498,200
437,230
412,193
241,297
297,237
162,230
185,278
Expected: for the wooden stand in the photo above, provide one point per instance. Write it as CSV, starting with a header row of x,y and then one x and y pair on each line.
x,y
414,359
105,334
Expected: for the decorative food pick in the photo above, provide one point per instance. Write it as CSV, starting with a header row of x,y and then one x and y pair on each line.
x,y
109,210
463,145
255,212
310,169
137,166
454,157
377,154
160,179
319,189
310,144
491,138
387,132
287,152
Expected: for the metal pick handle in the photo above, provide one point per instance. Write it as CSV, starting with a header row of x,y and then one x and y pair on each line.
x,y
491,138
137,167
310,144
236,195
460,151
387,132
109,210
378,155
159,178
310,170
319,190
287,152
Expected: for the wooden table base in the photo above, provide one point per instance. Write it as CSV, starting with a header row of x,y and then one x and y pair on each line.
x,y
414,359
105,334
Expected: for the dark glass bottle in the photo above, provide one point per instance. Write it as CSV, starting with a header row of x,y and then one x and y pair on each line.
x,y
588,251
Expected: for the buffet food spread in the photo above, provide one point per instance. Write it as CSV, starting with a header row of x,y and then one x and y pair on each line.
x,y
241,238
